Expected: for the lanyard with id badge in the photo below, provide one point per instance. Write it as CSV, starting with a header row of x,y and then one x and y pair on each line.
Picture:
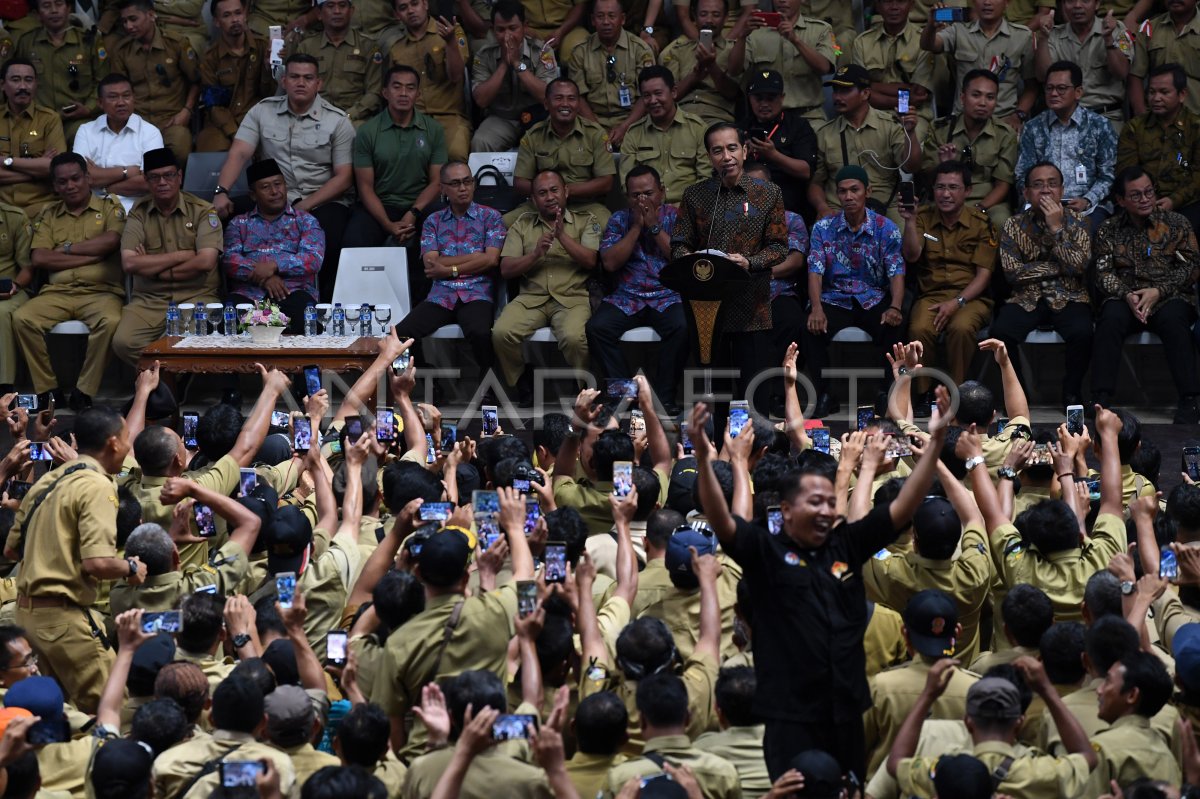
x,y
624,92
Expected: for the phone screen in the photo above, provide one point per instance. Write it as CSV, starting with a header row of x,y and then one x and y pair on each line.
x,y
206,523
402,362
285,588
38,451
774,520
191,421
1168,564
435,511
706,38
902,101
335,647
354,428
686,440
1191,462
820,439
239,778
948,15
280,419
27,401
556,563
526,597
1075,419
166,621
621,388
247,482
908,191
622,478
1001,423
449,436
312,379
739,415
385,424
533,511
513,726
866,415
491,420
301,433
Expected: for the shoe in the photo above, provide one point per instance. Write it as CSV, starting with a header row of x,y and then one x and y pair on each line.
x,y
46,397
826,406
80,401
1188,412
232,397
524,390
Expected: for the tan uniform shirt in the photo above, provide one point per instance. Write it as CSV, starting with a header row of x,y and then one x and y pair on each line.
x,y
164,591
193,225
57,226
555,276
29,134
512,100
493,773
351,72
441,93
679,609
839,143
718,779
703,100
1032,774
1101,89
80,61
953,255
766,49
246,76
742,747
1008,53
16,235
676,152
174,768
896,59
608,80
1165,45
992,155
162,73
579,156
76,522
1128,750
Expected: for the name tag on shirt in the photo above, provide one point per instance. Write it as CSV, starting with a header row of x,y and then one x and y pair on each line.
x,y
1080,174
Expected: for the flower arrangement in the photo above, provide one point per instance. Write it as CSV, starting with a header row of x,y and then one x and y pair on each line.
x,y
265,314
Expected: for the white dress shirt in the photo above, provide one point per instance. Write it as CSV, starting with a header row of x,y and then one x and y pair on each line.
x,y
105,147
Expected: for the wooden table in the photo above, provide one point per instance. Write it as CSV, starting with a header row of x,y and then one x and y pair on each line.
x,y
224,360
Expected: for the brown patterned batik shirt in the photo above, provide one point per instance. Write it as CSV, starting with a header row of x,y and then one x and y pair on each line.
x,y
1038,263
1160,254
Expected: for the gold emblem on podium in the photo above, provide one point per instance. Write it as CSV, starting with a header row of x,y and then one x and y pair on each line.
x,y
703,270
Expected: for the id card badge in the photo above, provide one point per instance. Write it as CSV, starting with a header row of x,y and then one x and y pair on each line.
x,y
1081,174
625,96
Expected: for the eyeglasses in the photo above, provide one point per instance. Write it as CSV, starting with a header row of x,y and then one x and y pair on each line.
x,y
161,177
163,78
460,183
1138,196
948,187
28,663
1046,184
1058,88
73,72
612,68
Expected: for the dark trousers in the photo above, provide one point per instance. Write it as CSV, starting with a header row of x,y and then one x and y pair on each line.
x,y
363,231
609,323
333,218
787,326
1192,213
1073,323
1172,322
475,318
292,307
816,347
846,743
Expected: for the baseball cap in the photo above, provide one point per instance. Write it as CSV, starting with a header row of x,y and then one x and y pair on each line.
x,y
1185,646
119,764
963,777
148,660
993,698
679,489
936,520
160,404
679,557
931,617
850,75
766,81
289,715
822,774
444,558
288,535
42,697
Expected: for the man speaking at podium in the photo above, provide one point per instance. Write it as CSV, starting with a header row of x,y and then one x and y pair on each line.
x,y
741,218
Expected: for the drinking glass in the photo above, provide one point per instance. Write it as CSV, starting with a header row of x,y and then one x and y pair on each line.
x,y
216,314
383,315
324,314
186,311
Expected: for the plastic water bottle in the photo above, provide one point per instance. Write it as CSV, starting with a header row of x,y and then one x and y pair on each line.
x,y
339,319
230,319
364,321
310,321
172,319
200,320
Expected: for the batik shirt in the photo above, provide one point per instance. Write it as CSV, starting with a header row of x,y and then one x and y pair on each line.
x,y
1160,255
797,242
1040,264
449,236
294,241
857,264
1084,150
638,286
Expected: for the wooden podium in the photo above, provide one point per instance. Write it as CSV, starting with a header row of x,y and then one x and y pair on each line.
x,y
704,280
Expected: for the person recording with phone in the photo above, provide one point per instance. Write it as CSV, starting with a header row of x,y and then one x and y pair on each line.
x,y
781,138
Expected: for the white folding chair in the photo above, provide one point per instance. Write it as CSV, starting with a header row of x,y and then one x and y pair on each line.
x,y
374,275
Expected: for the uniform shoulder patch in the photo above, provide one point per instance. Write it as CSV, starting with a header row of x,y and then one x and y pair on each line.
x,y
101,53
377,57
214,221
190,54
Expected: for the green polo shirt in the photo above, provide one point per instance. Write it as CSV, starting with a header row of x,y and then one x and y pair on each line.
x,y
401,157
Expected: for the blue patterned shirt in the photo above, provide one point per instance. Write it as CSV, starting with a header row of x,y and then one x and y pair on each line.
x,y
797,242
638,286
1084,150
294,240
857,265
449,235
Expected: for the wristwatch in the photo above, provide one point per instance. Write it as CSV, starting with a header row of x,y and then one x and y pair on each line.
x,y
133,564
1128,587
522,67
1006,473
240,640
648,29
124,173
960,300
67,247
973,462
654,230
220,190
454,273
8,162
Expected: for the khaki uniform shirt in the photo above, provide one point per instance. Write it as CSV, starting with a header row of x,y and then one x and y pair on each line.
x,y
390,771
1131,749
1166,152
351,71
16,235
193,225
308,761
546,14
996,448
676,152
603,84
1101,89
766,49
215,668
1009,53
441,92
880,134
1084,707
894,579
718,779
56,226
164,591
1061,575
937,738
1032,774
493,773
307,146
554,277
168,59
512,99
894,693
703,100
743,747
480,641
896,59
174,768
1002,657
579,156
953,255
679,608
246,76
29,134
993,153
65,766
1166,46
76,522
325,583
884,642
589,772
81,59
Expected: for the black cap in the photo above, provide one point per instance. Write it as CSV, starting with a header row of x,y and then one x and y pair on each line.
x,y
765,81
160,404
931,618
148,660
854,75
275,449
963,777
158,159
822,774
288,538
444,557
679,489
266,168
936,519
121,766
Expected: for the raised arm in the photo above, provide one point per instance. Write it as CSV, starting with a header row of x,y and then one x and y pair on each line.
x,y
256,426
1074,739
512,521
917,485
129,638
623,509
793,414
905,744
591,642
964,504
567,459
244,523
861,498
1112,497
1015,402
147,381
383,557
708,569
327,508
710,490
312,676
528,629
656,438
390,347
739,450
968,447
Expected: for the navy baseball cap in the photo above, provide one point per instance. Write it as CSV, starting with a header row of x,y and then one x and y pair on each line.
x,y
679,557
1185,647
42,697
288,535
931,618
